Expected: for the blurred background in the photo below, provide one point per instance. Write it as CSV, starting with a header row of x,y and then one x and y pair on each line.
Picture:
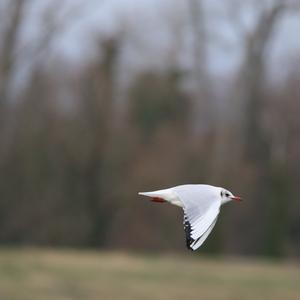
x,y
102,99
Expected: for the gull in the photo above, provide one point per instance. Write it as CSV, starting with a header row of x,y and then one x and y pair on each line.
x,y
201,205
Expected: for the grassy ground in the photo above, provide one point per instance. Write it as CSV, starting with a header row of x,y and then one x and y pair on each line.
x,y
61,275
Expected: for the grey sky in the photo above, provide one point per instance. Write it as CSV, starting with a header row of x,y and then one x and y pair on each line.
x,y
153,29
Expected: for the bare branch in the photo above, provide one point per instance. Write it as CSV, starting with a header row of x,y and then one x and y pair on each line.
x,y
53,24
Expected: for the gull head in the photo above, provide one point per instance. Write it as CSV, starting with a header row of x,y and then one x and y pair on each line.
x,y
227,196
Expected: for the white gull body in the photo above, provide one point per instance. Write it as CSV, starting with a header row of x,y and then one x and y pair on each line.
x,y
201,205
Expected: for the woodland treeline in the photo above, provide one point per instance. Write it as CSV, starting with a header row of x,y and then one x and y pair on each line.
x,y
77,144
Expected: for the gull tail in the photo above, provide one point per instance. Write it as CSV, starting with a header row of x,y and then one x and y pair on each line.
x,y
162,196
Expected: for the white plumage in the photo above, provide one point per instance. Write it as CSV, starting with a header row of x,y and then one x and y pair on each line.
x,y
201,205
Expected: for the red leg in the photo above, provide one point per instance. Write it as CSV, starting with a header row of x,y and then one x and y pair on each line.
x,y
158,200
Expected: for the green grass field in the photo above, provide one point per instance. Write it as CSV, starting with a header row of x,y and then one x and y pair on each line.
x,y
33,274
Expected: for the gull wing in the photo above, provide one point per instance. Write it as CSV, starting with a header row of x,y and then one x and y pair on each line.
x,y
201,205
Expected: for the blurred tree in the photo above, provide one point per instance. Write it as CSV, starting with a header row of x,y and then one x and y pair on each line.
x,y
156,101
8,47
203,112
270,180
255,144
97,111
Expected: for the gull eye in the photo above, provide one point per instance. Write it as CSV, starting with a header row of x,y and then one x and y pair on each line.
x,y
227,194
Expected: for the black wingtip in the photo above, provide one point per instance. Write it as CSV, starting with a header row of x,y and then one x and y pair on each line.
x,y
188,230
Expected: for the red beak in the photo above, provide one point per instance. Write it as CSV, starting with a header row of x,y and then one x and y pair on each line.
x,y
236,198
